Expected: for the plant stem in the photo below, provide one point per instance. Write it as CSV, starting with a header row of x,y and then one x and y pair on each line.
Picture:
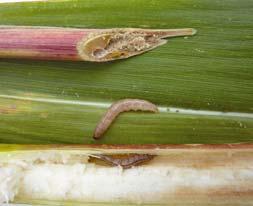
x,y
99,45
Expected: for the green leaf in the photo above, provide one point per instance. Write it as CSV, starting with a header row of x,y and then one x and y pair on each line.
x,y
211,71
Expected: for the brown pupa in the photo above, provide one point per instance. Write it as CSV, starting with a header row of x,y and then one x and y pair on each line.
x,y
119,107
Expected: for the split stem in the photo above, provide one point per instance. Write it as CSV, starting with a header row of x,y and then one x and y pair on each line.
x,y
99,45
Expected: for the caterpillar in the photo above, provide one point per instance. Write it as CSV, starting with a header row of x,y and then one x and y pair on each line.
x,y
119,107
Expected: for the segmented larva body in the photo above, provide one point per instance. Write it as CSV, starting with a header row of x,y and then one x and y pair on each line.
x,y
126,162
118,107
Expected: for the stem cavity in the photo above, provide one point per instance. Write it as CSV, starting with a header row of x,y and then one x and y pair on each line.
x,y
115,44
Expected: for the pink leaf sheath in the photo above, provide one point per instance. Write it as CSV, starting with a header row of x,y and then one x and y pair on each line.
x,y
76,44
40,43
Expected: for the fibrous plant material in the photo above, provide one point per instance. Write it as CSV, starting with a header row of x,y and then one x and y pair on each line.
x,y
99,45
179,174
119,107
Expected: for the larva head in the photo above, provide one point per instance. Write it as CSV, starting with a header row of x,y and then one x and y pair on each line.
x,y
115,44
100,130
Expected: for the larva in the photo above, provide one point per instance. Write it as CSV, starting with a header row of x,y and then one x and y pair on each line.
x,y
118,107
126,162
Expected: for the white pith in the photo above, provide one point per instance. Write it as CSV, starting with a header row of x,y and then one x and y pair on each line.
x,y
64,177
